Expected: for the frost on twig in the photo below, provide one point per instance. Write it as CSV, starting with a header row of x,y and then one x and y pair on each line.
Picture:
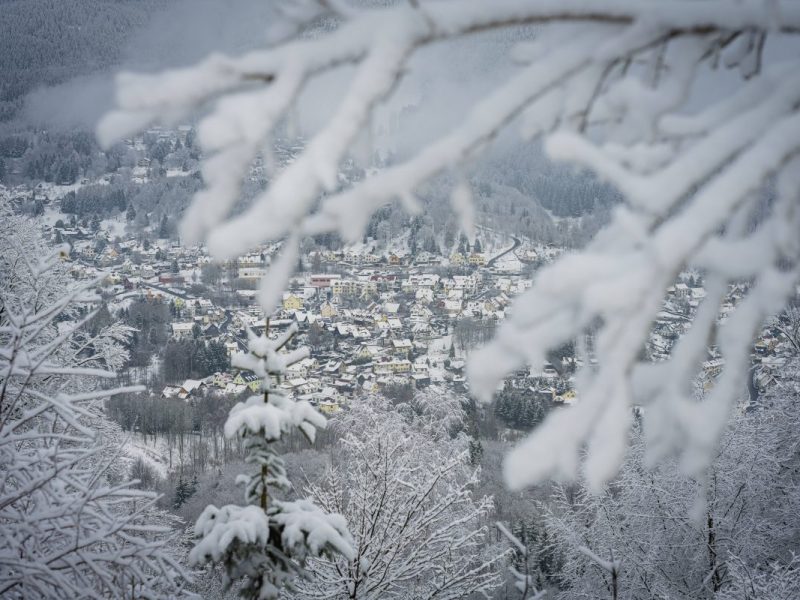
x,y
265,543
610,84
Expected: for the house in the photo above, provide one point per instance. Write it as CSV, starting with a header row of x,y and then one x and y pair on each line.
x,y
477,259
325,280
424,295
250,380
402,347
301,368
233,389
333,367
252,273
182,330
363,353
171,279
389,367
189,387
221,379
292,302
170,391
452,307
329,407
327,310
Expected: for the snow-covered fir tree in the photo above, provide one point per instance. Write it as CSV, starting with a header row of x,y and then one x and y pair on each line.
x,y
264,544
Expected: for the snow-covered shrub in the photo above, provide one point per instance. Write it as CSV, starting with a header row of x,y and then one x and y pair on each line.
x,y
264,544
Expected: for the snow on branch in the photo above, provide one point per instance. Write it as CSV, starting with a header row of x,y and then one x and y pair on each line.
x,y
616,96
69,528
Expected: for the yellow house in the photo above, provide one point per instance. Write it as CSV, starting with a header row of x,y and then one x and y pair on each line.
x,y
327,310
392,366
457,259
476,259
567,397
292,302
248,379
329,407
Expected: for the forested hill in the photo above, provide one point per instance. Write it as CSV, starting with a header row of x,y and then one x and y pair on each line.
x,y
46,42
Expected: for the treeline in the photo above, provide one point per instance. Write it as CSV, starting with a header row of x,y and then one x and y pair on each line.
x,y
191,430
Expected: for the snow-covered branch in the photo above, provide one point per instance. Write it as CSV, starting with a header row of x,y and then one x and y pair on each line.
x,y
611,84
67,530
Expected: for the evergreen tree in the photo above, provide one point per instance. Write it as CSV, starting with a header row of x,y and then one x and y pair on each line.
x,y
463,244
183,491
130,214
266,543
163,229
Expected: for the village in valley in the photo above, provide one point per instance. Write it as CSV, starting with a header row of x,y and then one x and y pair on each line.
x,y
376,318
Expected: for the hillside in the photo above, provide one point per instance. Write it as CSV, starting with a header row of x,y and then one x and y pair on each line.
x,y
46,42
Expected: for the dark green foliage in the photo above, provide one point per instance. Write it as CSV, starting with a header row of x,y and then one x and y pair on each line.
x,y
522,408
184,490
475,452
95,200
151,320
144,474
193,359
13,146
463,244
152,415
544,562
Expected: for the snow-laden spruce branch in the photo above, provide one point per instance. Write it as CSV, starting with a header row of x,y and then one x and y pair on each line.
x,y
608,85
